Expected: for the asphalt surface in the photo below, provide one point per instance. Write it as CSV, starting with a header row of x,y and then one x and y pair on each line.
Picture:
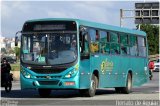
x,y
143,95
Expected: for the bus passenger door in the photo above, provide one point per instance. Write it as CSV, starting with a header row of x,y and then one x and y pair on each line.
x,y
84,60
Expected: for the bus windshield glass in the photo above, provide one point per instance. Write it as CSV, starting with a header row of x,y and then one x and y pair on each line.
x,y
49,49
62,48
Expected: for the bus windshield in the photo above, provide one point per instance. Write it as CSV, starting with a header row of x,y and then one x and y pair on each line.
x,y
49,49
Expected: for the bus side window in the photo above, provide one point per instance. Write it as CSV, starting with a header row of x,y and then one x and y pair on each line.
x,y
104,44
94,35
114,46
124,44
133,45
141,46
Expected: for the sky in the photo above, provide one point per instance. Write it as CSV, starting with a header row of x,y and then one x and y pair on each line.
x,y
15,13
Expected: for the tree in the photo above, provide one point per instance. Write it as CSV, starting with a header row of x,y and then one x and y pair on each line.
x,y
17,52
152,32
11,51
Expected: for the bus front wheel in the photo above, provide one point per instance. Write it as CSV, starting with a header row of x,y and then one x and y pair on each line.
x,y
44,92
92,90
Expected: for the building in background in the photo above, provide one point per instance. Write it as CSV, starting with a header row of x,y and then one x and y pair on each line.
x,y
7,46
147,13
2,43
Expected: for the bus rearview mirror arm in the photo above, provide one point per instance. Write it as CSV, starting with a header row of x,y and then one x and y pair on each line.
x,y
83,29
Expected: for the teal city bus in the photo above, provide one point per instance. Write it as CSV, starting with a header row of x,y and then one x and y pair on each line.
x,y
81,55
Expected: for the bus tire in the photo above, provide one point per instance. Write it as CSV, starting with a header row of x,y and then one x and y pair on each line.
x,y
128,87
44,92
118,89
92,90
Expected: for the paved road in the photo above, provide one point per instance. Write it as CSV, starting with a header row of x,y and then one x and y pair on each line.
x,y
149,91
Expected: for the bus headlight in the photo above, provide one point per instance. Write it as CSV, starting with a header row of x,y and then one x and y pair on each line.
x,y
25,73
71,73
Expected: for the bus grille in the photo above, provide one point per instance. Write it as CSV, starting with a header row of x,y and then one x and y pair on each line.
x,y
48,82
44,77
48,71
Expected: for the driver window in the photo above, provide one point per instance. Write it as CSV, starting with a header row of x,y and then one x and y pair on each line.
x,y
26,44
39,48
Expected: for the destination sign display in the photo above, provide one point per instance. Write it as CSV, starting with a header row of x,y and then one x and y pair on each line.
x,y
49,27
42,26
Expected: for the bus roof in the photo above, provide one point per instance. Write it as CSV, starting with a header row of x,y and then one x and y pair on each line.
x,y
95,25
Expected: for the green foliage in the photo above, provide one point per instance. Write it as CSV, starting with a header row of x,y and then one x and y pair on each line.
x,y
152,36
15,67
17,52
11,51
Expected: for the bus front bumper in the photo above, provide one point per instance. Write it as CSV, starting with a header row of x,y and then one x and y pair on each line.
x,y
71,83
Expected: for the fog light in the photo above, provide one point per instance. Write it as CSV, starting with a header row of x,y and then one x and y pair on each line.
x,y
69,83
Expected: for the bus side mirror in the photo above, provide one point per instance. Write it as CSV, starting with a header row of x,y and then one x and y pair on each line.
x,y
83,29
17,38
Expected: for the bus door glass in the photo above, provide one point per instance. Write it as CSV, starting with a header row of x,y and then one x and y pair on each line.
x,y
84,45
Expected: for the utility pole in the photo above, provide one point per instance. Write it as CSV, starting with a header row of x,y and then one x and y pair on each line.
x,y
121,16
